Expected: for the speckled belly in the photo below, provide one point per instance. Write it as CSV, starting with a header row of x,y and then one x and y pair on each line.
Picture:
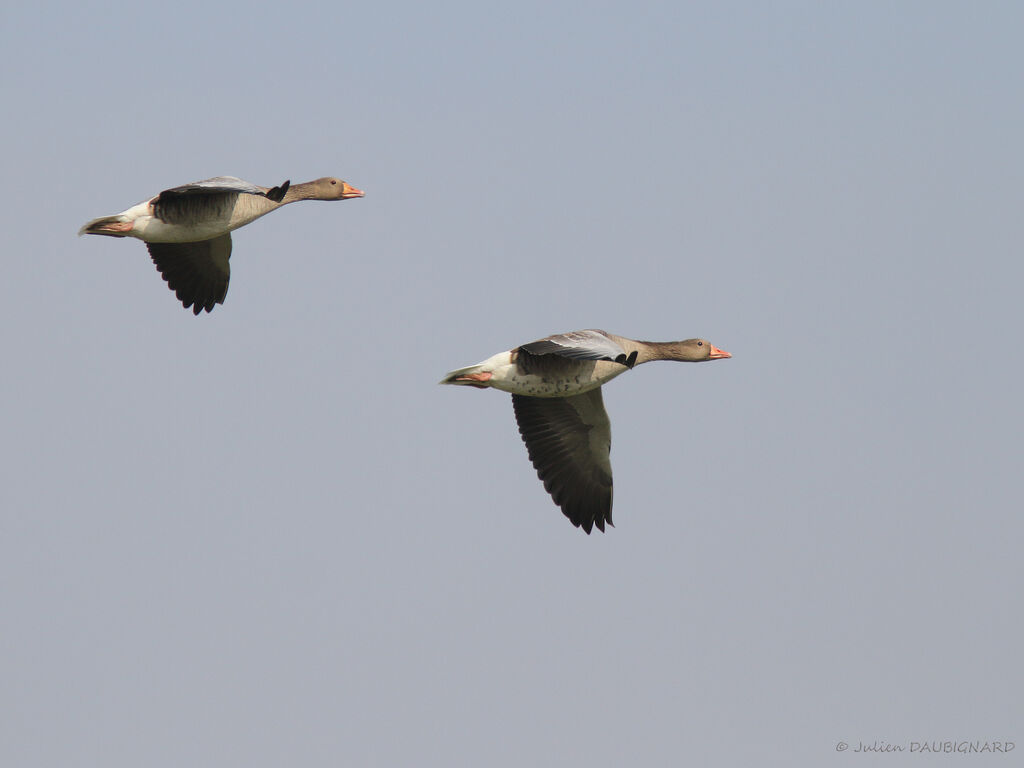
x,y
581,377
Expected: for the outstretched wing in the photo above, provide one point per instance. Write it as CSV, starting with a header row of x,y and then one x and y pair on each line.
x,y
208,199
569,440
218,184
578,345
198,273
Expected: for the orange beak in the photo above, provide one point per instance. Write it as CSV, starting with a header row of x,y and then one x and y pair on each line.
x,y
717,353
347,191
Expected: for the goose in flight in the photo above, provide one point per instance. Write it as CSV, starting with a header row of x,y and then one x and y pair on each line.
x,y
555,384
187,229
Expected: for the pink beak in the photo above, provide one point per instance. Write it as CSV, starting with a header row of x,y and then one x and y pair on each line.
x,y
347,191
717,353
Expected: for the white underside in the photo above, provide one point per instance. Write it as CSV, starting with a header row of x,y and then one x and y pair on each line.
x,y
153,230
585,375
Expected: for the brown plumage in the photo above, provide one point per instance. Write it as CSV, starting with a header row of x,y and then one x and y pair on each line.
x,y
555,384
187,228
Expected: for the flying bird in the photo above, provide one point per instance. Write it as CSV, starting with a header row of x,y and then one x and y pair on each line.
x,y
187,229
556,395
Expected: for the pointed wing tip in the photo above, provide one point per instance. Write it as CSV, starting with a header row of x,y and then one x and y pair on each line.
x,y
587,526
277,193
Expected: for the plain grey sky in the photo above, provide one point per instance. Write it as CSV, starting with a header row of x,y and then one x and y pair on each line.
x,y
265,537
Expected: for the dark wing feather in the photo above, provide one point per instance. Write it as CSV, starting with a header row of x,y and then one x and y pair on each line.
x,y
556,366
216,185
277,193
198,273
578,345
569,441
209,199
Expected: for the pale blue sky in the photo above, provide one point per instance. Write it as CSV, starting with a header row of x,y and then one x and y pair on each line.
x,y
265,537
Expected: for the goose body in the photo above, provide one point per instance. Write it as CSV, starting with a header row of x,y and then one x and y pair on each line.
x,y
557,366
187,228
555,383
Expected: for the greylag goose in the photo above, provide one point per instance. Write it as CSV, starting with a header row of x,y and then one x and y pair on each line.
x,y
187,229
556,395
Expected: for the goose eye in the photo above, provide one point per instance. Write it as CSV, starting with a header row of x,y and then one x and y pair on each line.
x,y
700,343
333,182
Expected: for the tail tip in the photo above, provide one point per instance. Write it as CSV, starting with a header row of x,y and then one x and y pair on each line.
x,y
112,226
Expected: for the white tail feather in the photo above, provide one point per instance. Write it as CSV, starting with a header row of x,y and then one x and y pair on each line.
x,y
451,376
